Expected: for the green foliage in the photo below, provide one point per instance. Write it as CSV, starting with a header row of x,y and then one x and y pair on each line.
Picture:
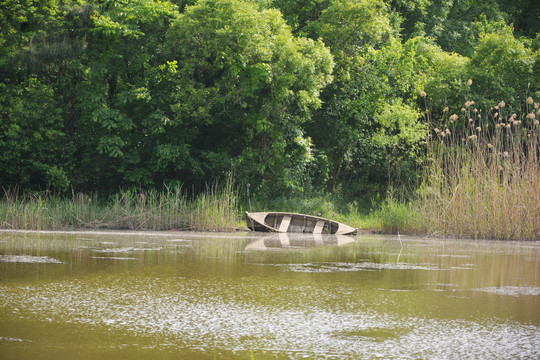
x,y
395,216
32,138
294,97
400,133
372,66
446,77
347,26
454,25
245,88
501,68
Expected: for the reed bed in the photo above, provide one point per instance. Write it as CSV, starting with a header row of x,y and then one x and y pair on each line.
x,y
216,209
482,179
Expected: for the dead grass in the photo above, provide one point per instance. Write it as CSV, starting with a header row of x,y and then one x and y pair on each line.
x,y
482,178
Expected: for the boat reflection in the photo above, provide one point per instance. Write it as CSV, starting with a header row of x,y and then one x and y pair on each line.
x,y
297,241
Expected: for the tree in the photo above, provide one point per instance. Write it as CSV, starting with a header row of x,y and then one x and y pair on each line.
x,y
39,63
454,25
119,120
242,89
373,71
502,68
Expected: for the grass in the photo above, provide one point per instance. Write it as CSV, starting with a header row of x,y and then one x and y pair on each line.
x,y
216,209
483,181
394,216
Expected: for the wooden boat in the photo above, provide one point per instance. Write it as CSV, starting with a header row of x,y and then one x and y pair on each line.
x,y
298,223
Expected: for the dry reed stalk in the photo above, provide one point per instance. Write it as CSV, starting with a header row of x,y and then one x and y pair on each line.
x,y
485,183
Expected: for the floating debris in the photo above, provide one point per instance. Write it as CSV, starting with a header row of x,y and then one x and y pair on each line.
x,y
512,290
10,339
362,266
29,259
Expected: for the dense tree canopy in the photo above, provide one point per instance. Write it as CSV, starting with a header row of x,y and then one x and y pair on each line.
x,y
286,95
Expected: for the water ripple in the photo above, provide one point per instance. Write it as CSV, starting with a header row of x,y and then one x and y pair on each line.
x,y
208,318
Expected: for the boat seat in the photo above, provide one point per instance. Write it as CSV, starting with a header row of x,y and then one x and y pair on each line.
x,y
285,222
319,227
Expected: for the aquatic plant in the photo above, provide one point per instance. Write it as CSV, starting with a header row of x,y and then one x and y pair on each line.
x,y
215,209
482,176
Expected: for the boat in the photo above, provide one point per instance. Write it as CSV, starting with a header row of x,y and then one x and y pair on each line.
x,y
283,222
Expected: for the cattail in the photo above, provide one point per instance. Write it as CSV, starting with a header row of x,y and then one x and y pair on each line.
x,y
469,82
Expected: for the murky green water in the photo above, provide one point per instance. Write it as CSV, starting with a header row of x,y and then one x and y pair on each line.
x,y
243,296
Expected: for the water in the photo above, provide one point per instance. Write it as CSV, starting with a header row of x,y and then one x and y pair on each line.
x,y
241,296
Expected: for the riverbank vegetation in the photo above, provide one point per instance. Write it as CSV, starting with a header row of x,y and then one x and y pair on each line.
x,y
481,178
215,209
118,114
484,180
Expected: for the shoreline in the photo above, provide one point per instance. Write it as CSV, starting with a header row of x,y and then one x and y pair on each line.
x,y
195,233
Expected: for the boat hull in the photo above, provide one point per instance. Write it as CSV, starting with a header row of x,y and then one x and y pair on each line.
x,y
295,223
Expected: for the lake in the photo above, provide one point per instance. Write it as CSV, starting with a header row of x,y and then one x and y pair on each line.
x,y
189,295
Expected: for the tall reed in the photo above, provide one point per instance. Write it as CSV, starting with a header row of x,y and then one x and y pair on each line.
x,y
214,210
482,179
